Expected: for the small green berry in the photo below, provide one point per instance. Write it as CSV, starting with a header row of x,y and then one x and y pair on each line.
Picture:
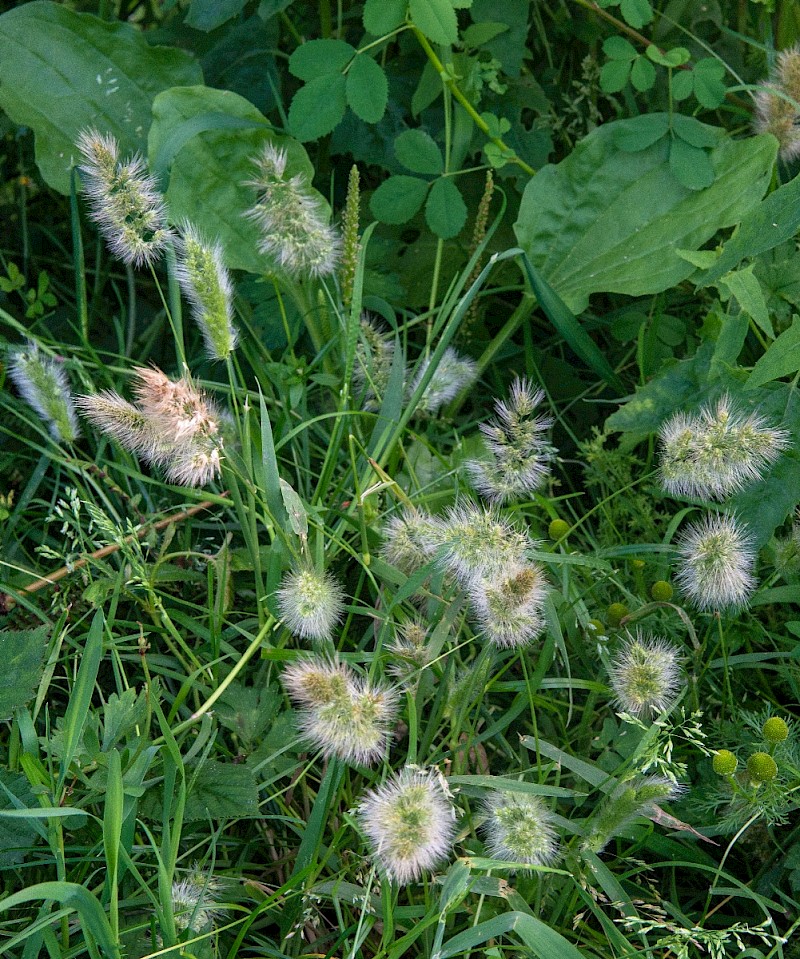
x,y
724,762
661,591
597,627
558,529
615,613
761,768
775,730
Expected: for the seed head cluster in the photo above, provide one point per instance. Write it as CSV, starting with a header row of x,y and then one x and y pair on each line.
x,y
716,557
508,607
411,540
124,200
43,383
173,425
519,828
717,452
373,363
646,675
630,800
409,822
293,223
207,286
520,455
453,375
776,104
193,901
341,713
310,603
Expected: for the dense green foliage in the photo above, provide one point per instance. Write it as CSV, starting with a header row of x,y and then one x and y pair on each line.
x,y
440,597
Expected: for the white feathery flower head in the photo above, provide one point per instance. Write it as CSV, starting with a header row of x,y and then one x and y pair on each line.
x,y
509,606
454,374
411,540
479,542
519,828
124,200
341,713
718,452
193,901
410,823
174,425
310,603
42,382
520,455
206,284
776,104
716,558
645,674
292,219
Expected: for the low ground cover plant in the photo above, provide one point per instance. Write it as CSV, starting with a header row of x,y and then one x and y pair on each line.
x,y
399,474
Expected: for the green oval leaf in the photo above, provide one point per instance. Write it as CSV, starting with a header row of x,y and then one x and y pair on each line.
x,y
397,199
383,16
318,107
690,165
445,210
614,75
419,152
436,19
618,48
62,71
643,74
367,89
320,58
207,15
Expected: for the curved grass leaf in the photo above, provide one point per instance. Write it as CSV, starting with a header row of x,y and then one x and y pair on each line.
x,y
62,71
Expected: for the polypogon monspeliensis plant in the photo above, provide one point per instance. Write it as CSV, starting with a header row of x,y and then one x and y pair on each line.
x,y
646,675
310,602
519,828
716,557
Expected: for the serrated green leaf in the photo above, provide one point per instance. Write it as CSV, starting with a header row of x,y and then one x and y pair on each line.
x,y
690,165
383,16
604,220
209,168
318,107
367,89
478,34
207,15
445,210
22,655
61,72
436,19
781,359
398,199
419,152
643,74
222,791
248,711
614,75
320,58
16,835
618,48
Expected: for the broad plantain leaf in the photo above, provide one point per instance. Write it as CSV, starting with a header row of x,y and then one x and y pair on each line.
x,y
61,72
605,220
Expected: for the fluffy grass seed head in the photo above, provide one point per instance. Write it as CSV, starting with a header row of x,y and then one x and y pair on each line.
x,y
716,558
124,200
411,540
520,455
173,425
43,384
777,104
519,828
409,822
718,452
508,607
410,651
480,543
310,603
454,374
373,363
193,901
646,675
292,219
341,713
207,286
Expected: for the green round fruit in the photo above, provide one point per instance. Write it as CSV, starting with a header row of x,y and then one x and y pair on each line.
x,y
761,768
558,529
661,591
775,730
615,613
724,762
